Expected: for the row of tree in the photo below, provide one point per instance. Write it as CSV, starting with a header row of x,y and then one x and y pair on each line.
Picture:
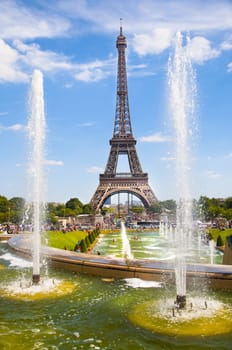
x,y
83,245
72,207
16,211
13,210
212,208
205,208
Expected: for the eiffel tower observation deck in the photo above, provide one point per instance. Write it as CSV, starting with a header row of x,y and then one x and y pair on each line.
x,y
123,142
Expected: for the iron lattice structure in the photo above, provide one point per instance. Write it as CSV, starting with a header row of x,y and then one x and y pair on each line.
x,y
122,142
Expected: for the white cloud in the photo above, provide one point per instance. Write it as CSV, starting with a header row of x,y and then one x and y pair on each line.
x,y
9,68
156,138
54,162
227,45
88,75
33,56
211,174
139,70
14,127
169,158
200,49
229,67
95,169
151,25
68,85
94,71
20,21
18,60
153,43
86,124
144,16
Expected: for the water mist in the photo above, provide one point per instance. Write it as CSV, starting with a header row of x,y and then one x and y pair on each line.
x,y
36,136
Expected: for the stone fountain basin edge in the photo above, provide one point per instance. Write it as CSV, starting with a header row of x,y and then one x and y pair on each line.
x,y
217,276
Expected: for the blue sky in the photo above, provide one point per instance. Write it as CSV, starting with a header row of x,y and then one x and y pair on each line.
x,y
73,43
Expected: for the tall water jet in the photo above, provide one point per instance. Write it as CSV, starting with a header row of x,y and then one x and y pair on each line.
x,y
182,91
125,243
36,136
211,250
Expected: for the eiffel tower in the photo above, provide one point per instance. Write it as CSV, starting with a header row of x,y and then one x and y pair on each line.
x,y
122,143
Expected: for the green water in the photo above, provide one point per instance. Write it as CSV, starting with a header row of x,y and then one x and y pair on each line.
x,y
150,245
94,315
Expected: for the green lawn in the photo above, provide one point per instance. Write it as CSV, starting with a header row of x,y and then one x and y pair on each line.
x,y
223,233
58,239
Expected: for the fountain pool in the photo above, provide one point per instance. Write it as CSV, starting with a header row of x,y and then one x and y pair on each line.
x,y
152,245
96,313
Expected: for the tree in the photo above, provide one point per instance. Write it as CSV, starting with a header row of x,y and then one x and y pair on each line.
x,y
155,207
137,209
169,204
76,205
110,210
83,245
228,214
52,218
87,209
228,203
17,209
4,204
104,210
61,210
213,212
204,203
210,208
4,209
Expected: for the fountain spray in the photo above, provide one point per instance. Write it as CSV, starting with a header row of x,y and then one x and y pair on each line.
x,y
182,91
36,136
126,249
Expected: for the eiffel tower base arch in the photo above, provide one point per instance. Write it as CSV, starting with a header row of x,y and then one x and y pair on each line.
x,y
109,186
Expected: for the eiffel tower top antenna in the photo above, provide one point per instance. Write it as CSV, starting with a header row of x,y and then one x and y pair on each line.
x,y
120,26
122,122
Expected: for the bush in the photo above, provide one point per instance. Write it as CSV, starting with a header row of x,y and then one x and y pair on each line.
x,y
91,237
83,246
220,242
87,241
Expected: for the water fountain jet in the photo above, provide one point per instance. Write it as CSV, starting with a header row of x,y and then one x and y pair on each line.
x,y
36,136
182,90
126,249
